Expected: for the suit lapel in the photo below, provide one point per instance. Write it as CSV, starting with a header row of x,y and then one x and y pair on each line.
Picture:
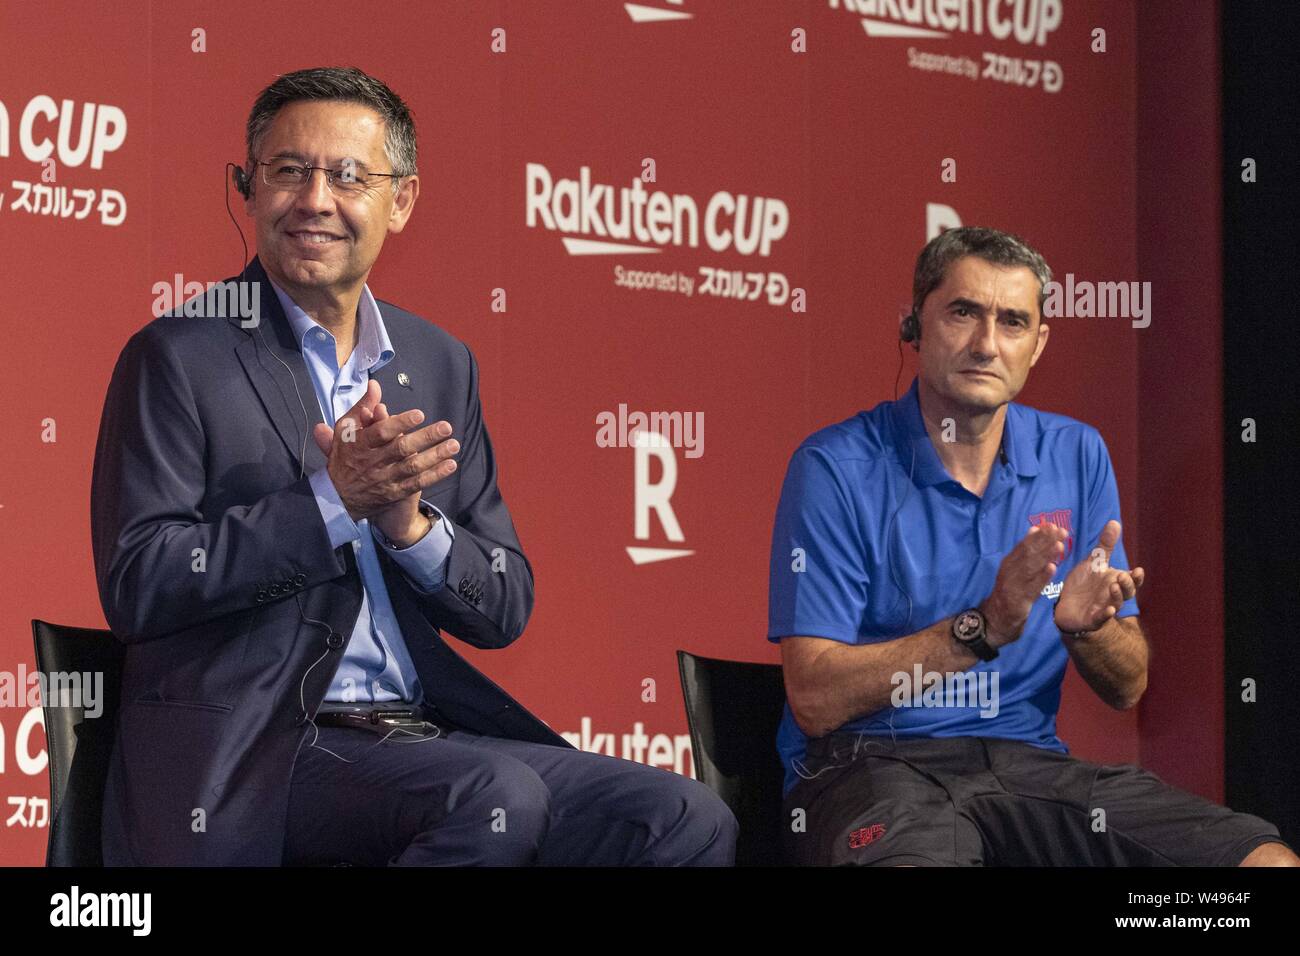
x,y
397,398
280,390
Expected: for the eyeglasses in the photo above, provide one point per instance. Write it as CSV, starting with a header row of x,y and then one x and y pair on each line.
x,y
348,181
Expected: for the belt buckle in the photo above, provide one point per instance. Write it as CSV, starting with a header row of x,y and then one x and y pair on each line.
x,y
393,717
373,714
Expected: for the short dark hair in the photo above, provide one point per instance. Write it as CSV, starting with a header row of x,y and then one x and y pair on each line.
x,y
991,245
347,84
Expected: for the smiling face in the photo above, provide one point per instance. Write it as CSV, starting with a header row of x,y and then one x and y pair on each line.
x,y
320,246
981,334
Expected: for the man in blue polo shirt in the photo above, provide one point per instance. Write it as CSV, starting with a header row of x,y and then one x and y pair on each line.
x,y
936,561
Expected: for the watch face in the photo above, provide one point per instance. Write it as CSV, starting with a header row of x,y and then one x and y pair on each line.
x,y
968,625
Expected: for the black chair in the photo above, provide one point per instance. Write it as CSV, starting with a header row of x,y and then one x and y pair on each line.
x,y
733,709
78,746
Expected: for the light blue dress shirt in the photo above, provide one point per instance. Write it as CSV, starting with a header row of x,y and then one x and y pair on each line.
x,y
376,666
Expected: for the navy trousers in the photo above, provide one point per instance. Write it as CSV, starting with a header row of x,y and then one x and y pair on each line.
x,y
461,799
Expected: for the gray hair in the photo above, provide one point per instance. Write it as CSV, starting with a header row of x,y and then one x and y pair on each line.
x,y
991,245
346,84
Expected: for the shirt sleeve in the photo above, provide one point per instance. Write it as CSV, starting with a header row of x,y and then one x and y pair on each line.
x,y
817,578
338,522
425,562
1103,505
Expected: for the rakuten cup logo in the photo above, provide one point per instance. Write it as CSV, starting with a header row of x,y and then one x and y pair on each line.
x,y
56,136
602,219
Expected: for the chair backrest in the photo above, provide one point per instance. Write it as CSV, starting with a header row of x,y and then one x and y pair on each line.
x,y
78,745
733,710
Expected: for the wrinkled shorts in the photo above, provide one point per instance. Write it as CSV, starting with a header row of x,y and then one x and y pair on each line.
x,y
985,801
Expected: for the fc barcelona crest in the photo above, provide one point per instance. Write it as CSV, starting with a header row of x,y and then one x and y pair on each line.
x,y
1060,518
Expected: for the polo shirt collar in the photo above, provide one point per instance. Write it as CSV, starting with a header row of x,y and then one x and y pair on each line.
x,y
1018,441
910,433
374,348
912,438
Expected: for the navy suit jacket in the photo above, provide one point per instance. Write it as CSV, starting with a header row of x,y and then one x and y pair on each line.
x,y
215,571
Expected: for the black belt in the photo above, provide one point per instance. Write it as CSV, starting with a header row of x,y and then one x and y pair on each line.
x,y
380,718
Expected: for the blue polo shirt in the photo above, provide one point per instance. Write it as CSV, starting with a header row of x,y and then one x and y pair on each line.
x,y
840,571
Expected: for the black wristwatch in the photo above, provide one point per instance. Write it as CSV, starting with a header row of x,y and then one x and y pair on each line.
x,y
970,631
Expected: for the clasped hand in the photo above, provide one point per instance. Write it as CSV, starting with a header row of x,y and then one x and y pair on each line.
x,y
379,466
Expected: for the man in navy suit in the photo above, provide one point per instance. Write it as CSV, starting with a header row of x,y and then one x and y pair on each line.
x,y
281,529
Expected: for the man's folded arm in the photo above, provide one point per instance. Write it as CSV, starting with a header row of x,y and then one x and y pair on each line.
x,y
488,595
159,566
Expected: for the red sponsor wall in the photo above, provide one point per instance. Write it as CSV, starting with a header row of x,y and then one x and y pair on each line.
x,y
1180,408
832,119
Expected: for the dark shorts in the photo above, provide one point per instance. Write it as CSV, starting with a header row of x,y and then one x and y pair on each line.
x,y
986,801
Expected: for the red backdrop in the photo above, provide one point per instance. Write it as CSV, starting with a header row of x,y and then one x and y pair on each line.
x,y
825,109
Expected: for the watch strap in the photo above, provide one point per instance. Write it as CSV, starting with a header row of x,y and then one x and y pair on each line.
x,y
1073,635
425,509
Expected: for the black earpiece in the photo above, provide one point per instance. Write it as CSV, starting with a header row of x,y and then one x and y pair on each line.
x,y
910,330
240,178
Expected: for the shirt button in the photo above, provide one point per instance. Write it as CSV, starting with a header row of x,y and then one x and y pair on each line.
x,y
321,335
